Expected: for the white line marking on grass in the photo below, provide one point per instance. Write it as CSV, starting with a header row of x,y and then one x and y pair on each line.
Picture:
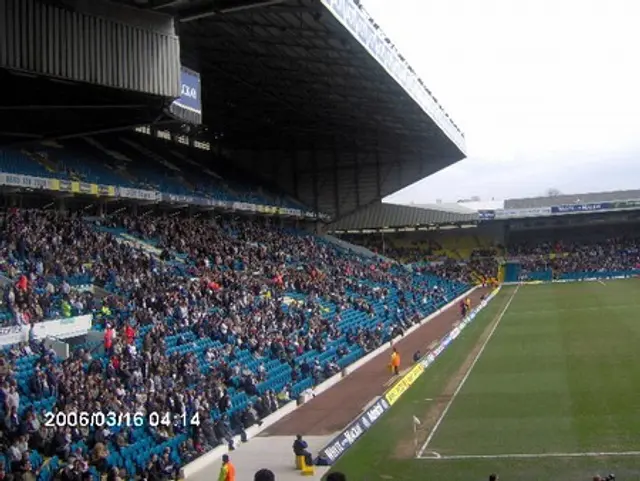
x,y
600,282
536,312
434,455
466,376
431,455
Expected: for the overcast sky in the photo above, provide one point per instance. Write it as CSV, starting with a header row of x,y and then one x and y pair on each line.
x,y
547,92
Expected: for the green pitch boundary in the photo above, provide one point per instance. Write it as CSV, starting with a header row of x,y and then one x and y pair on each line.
x,y
434,456
436,426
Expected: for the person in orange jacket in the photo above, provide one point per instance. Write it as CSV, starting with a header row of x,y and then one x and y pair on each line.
x,y
395,362
227,470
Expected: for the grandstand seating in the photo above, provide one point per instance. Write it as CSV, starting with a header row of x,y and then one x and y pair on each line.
x,y
129,162
334,311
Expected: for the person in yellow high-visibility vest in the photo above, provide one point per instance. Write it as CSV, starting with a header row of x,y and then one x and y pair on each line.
x,y
395,362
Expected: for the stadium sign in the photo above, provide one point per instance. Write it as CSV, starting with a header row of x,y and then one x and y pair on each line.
x,y
393,394
10,330
189,91
188,107
60,185
556,210
520,213
58,329
352,433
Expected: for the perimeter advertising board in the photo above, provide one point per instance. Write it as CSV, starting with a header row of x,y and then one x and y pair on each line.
x,y
338,445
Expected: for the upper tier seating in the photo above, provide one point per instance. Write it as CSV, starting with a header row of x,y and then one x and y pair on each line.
x,y
130,162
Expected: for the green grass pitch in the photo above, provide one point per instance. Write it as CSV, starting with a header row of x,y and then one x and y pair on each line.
x,y
555,394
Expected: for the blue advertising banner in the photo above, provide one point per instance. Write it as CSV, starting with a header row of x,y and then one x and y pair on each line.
x,y
189,91
486,214
338,445
567,208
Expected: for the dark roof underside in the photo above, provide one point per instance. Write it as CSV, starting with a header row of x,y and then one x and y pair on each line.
x,y
298,99
291,73
295,99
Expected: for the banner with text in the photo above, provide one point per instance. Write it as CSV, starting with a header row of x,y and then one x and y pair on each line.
x,y
569,208
189,105
85,188
519,213
393,394
486,214
58,328
338,445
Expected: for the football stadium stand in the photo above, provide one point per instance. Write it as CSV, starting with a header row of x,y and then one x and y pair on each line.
x,y
560,238
145,318
232,306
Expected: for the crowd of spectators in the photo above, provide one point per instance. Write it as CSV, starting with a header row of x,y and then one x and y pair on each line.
x,y
481,266
612,254
471,271
222,281
408,253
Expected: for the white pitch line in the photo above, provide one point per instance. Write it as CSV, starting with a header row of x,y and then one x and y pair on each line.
x,y
536,312
438,457
600,282
466,376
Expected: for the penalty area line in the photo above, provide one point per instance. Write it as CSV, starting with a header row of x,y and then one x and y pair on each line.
x,y
466,375
432,455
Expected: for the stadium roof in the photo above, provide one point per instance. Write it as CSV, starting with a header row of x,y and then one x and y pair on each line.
x,y
549,201
445,207
383,216
289,90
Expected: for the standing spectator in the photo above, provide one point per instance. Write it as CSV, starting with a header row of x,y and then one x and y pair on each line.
x,y
227,470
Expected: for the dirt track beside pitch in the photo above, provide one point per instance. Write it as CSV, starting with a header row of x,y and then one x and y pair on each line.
x,y
333,409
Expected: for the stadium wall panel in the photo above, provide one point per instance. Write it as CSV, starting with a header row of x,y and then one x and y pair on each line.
x,y
47,40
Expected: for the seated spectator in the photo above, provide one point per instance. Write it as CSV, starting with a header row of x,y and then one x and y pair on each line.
x,y
301,448
99,457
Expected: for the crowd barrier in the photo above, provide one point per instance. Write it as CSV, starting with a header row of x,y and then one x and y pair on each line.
x,y
209,459
356,429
